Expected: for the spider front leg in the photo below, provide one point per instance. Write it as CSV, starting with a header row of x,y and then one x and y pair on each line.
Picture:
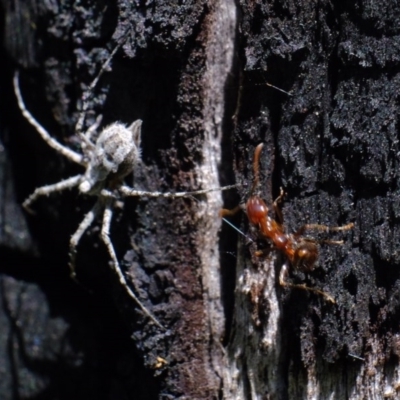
x,y
282,281
65,151
86,95
93,129
130,192
49,189
105,236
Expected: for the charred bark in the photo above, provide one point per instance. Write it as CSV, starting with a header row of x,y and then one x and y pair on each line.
x,y
332,143
199,75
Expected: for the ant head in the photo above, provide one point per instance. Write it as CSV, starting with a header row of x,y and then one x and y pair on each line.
x,y
256,210
305,255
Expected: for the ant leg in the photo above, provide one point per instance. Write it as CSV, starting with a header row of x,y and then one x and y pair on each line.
x,y
224,212
331,242
160,362
127,191
65,151
262,253
277,209
283,274
48,189
76,237
282,281
324,228
105,236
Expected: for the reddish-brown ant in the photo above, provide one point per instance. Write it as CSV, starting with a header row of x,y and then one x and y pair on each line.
x,y
301,252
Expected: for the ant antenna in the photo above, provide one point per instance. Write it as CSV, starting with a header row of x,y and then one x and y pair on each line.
x,y
256,168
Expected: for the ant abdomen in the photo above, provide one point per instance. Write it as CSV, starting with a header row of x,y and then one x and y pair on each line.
x,y
305,255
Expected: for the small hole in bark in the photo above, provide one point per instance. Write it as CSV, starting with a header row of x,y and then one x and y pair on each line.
x,y
350,283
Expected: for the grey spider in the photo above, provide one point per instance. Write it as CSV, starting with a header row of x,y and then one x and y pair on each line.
x,y
107,160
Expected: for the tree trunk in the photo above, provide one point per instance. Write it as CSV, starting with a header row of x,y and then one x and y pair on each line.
x,y
317,84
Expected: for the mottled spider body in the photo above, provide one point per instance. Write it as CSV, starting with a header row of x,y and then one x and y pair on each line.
x,y
114,156
107,159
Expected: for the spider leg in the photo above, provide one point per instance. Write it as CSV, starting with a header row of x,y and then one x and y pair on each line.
x,y
282,281
65,151
105,236
49,189
127,191
76,237
93,128
86,95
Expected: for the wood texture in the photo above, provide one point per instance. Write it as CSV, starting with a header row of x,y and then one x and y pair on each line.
x,y
199,75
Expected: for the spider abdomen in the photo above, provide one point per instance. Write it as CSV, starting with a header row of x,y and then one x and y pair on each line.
x,y
115,154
